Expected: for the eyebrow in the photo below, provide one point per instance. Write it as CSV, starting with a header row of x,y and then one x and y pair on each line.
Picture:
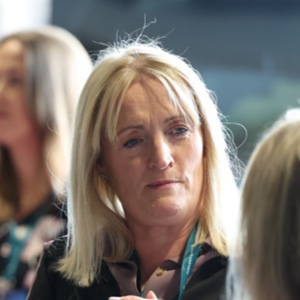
x,y
168,120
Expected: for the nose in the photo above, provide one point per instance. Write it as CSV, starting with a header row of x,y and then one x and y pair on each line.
x,y
160,156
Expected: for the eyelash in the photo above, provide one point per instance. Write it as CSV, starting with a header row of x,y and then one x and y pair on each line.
x,y
185,130
131,143
15,81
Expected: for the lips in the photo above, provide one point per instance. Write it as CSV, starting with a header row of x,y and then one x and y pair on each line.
x,y
162,183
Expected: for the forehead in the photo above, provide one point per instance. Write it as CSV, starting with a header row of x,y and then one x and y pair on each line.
x,y
12,54
147,97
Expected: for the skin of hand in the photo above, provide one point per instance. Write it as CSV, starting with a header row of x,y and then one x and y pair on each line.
x,y
150,295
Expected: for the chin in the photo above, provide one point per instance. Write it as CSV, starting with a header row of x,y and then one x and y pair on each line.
x,y
165,210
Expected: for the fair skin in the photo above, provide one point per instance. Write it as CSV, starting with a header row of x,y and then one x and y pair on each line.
x,y
156,168
18,132
150,295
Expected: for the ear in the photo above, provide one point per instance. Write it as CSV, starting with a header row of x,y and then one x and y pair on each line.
x,y
99,167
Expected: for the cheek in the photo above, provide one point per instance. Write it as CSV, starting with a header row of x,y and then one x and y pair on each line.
x,y
195,167
126,177
19,116
19,111
16,99
125,169
121,176
196,157
196,174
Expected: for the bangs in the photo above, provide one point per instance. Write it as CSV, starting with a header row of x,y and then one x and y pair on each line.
x,y
113,99
183,98
180,93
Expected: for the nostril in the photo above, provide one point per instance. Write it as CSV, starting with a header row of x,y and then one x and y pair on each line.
x,y
161,163
160,153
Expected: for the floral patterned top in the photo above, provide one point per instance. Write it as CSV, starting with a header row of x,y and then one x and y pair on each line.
x,y
21,245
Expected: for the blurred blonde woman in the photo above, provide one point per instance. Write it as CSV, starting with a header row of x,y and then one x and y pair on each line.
x,y
151,177
265,262
42,73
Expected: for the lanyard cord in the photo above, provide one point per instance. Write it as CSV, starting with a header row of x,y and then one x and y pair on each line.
x,y
17,244
190,256
18,241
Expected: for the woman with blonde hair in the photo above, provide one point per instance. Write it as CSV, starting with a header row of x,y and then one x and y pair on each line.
x,y
151,177
42,72
265,261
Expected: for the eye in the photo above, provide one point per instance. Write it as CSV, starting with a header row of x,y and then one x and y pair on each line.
x,y
15,81
179,130
132,142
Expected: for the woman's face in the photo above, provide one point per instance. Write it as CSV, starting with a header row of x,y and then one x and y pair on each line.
x,y
155,165
15,122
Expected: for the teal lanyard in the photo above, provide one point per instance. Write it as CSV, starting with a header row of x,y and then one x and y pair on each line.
x,y
189,259
18,241
190,256
17,244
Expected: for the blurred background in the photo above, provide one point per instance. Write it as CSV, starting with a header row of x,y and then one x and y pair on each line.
x,y
246,50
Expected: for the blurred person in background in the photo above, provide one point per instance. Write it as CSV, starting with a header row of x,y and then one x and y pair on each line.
x,y
42,72
265,261
151,184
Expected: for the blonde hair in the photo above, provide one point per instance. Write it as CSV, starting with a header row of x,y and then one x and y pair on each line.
x,y
97,227
265,262
56,68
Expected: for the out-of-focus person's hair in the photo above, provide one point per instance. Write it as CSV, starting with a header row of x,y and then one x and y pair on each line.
x,y
97,228
265,260
56,68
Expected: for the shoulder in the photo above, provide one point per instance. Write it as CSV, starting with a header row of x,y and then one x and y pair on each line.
x,y
214,263
49,284
208,282
56,248
58,287
53,251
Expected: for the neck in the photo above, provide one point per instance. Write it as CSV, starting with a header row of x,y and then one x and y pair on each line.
x,y
32,175
156,244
